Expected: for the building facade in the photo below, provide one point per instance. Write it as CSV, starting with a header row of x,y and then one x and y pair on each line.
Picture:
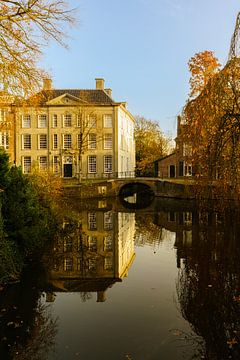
x,y
179,163
74,133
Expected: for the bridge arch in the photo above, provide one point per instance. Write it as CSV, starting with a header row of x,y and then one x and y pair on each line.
x,y
136,195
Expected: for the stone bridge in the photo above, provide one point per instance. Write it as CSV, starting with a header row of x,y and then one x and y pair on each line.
x,y
125,187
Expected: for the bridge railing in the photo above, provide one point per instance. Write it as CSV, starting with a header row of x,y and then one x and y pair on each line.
x,y
113,175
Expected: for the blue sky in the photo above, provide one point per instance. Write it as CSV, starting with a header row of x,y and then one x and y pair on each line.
x,y
141,49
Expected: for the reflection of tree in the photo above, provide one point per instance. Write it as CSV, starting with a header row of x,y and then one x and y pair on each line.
x,y
41,341
147,231
208,289
27,329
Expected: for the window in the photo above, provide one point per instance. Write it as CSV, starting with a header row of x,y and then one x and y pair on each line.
x,y
2,115
68,264
92,164
67,245
107,221
92,264
107,141
42,121
92,121
108,164
55,141
79,120
108,243
26,121
107,121
67,120
79,264
42,163
26,141
79,140
43,141
56,164
26,164
92,221
54,120
67,141
108,263
92,243
92,141
4,140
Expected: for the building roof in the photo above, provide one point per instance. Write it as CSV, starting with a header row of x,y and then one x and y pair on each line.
x,y
165,157
85,96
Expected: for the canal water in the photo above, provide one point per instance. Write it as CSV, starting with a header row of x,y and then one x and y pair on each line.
x,y
118,283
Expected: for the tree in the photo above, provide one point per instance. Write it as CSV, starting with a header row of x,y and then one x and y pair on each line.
x,y
203,66
150,145
26,27
213,127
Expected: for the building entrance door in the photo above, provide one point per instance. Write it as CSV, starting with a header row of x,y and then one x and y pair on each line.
x,y
67,170
172,171
67,166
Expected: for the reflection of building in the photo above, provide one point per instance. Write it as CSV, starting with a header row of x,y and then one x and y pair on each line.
x,y
192,227
93,256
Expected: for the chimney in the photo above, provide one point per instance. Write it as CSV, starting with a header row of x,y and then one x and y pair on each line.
x,y
109,92
101,296
99,84
47,84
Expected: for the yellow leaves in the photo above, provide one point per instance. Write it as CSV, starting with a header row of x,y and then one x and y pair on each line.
x,y
232,342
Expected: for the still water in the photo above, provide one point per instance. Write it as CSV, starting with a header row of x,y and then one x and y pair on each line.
x,y
160,283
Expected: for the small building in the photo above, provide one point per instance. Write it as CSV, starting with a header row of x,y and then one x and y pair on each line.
x,y
179,163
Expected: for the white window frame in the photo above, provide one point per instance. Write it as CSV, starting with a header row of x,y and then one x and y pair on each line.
x,y
42,121
4,139
92,121
107,121
2,115
92,221
108,243
67,120
42,163
26,121
108,164
92,141
54,120
67,141
108,220
26,164
56,165
55,141
92,164
107,141
26,141
42,141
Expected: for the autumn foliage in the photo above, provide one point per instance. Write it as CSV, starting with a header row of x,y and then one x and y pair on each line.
x,y
202,66
213,128
151,144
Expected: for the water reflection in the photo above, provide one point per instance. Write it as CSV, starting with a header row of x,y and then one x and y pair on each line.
x,y
92,253
208,284
183,287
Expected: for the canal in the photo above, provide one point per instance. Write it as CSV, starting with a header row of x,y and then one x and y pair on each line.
x,y
118,283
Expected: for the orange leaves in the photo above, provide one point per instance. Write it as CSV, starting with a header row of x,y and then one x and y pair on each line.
x,y
203,66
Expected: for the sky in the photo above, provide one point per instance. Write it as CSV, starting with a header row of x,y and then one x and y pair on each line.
x,y
141,48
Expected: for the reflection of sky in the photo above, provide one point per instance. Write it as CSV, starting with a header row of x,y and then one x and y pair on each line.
x,y
137,317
